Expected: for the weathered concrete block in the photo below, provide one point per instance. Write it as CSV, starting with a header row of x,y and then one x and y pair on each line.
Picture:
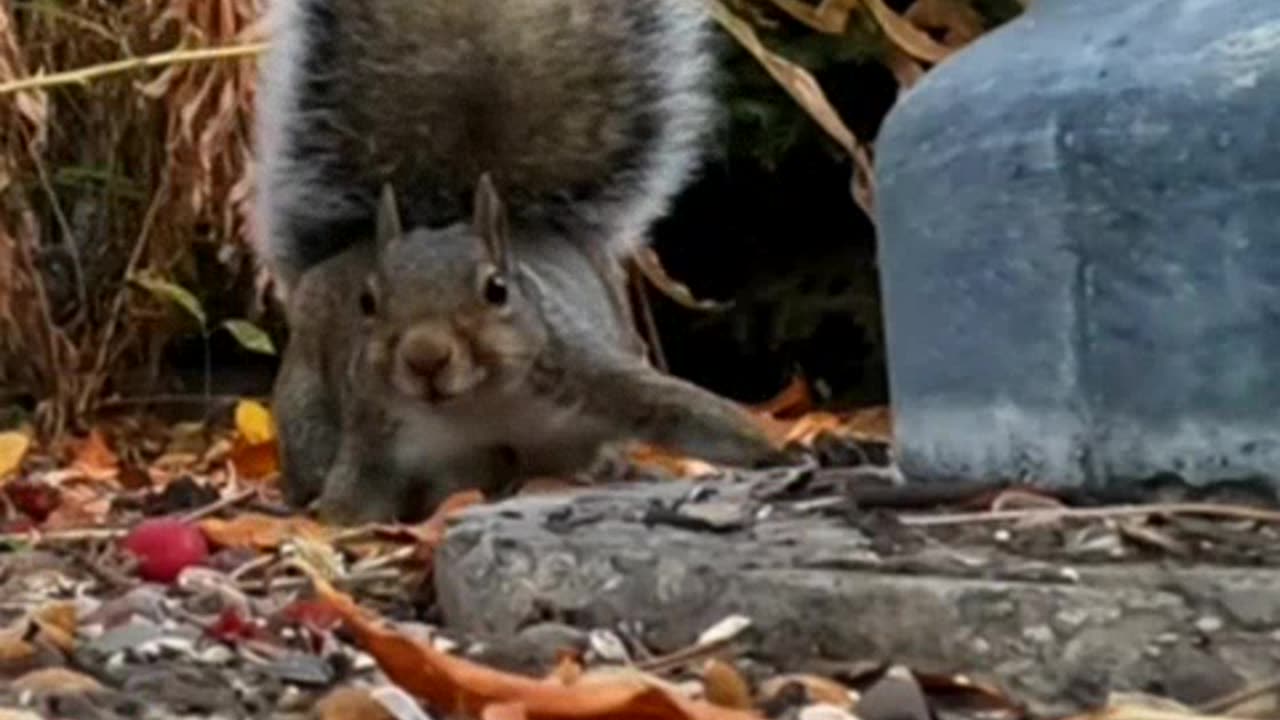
x,y
1060,631
1080,247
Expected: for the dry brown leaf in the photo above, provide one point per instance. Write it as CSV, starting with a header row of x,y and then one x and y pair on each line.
x,y
256,531
454,685
906,69
795,399
55,681
830,16
430,532
910,38
725,686
346,703
260,461
13,449
94,458
55,625
57,621
650,265
682,466
959,22
806,91
10,714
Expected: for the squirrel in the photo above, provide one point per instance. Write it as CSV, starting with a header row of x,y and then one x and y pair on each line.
x,y
590,114
446,191
429,362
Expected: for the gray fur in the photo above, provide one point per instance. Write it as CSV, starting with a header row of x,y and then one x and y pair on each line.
x,y
591,114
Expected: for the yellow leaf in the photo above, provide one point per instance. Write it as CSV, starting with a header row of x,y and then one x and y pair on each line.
x,y
254,422
13,447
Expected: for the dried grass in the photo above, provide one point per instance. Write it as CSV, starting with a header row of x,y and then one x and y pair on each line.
x,y
127,173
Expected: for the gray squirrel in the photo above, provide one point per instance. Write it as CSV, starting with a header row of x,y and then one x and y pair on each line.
x,y
446,190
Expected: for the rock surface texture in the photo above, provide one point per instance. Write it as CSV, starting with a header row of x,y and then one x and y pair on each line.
x,y
1079,248
1061,614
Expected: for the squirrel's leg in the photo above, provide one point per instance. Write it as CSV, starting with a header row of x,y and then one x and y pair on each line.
x,y
306,413
365,483
663,410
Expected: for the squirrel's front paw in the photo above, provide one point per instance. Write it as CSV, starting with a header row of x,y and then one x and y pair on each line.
x,y
790,455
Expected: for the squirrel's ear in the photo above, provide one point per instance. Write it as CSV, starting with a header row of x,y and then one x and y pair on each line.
x,y
388,227
490,219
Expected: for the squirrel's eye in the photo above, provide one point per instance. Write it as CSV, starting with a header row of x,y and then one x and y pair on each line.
x,y
368,302
495,290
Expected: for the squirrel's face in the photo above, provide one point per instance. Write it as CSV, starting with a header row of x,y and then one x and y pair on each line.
x,y
445,311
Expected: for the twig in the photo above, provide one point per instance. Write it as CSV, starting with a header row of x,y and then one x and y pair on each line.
x,y
1187,508
64,536
684,656
220,504
293,583
165,399
85,75
650,323
97,378
1244,694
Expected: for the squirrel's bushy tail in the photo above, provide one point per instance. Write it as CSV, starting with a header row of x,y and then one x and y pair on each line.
x,y
591,114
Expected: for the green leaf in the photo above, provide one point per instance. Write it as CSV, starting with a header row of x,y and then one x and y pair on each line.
x,y
173,292
250,336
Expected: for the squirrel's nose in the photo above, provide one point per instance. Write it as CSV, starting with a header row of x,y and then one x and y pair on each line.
x,y
425,353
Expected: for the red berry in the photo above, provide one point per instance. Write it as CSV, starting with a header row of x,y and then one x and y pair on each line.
x,y
165,546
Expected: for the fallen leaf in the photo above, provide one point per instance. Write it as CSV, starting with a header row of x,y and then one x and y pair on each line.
x,y
52,625
95,459
682,466
430,532
725,686
650,266
255,451
255,461
958,22
13,448
55,681
795,399
57,621
905,35
454,685
255,531
254,422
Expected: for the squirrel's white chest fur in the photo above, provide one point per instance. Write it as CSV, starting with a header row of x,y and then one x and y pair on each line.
x,y
548,436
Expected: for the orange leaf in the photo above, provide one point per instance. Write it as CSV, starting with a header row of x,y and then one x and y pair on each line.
x,y
679,465
725,686
430,532
261,532
793,400
95,459
255,461
454,685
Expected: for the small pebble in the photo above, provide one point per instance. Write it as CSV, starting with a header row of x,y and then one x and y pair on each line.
x,y
1209,624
